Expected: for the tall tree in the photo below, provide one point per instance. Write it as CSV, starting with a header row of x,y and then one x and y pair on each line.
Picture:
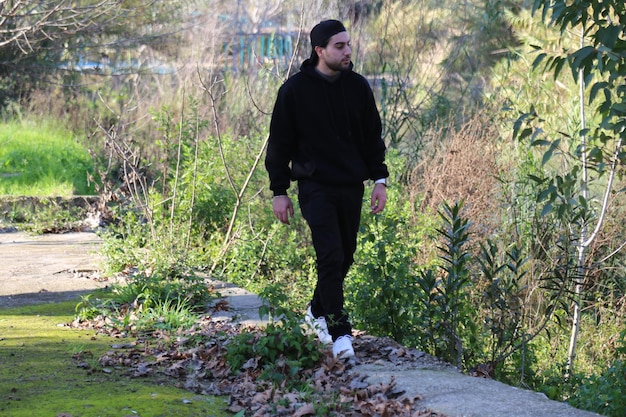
x,y
599,67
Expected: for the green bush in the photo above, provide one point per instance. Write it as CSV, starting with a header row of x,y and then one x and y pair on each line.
x,y
605,393
282,349
427,308
381,287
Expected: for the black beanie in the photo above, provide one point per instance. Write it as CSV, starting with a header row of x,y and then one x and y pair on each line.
x,y
323,31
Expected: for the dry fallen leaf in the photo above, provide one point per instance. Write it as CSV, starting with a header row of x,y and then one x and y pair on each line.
x,y
333,384
305,410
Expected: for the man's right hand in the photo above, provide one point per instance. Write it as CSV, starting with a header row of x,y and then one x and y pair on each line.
x,y
283,208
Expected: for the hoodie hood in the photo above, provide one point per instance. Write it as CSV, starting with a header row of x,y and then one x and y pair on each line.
x,y
308,67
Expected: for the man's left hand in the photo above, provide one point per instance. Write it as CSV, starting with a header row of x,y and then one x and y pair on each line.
x,y
379,198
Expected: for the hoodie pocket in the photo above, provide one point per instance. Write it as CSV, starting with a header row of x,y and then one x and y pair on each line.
x,y
302,170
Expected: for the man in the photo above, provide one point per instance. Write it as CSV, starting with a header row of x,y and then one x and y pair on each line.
x,y
325,133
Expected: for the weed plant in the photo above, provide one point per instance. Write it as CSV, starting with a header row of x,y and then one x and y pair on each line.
x,y
92,305
283,349
169,315
168,299
145,309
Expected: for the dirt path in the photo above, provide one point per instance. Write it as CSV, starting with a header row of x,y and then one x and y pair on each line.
x,y
47,268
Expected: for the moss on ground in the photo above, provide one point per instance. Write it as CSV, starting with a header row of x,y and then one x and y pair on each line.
x,y
47,369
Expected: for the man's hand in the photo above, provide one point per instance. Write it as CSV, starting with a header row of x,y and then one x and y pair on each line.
x,y
283,208
379,198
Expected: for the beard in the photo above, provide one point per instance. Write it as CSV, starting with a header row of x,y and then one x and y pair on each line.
x,y
338,66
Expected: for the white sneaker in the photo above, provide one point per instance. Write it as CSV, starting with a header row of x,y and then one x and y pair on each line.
x,y
319,326
343,347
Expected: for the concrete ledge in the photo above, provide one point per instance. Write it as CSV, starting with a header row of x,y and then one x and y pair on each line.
x,y
459,395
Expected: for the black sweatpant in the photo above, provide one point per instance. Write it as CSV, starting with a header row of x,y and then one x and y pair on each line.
x,y
333,214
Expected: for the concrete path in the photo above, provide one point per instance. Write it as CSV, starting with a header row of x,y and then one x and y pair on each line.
x,y
244,305
459,395
47,268
52,267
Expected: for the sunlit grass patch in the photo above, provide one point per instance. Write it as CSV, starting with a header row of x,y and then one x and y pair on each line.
x,y
42,159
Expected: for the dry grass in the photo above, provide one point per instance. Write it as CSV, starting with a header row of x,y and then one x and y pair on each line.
x,y
463,167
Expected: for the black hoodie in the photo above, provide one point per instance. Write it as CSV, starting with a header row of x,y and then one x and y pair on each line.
x,y
330,131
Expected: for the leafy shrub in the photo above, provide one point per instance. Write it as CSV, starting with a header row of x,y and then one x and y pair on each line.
x,y
605,393
380,289
389,296
282,349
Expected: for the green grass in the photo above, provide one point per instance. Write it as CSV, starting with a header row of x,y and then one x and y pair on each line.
x,y
42,159
39,377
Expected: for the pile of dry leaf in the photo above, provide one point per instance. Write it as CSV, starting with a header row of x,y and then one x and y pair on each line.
x,y
195,359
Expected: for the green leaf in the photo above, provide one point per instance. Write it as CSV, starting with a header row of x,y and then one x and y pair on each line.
x,y
545,194
595,154
557,66
525,133
619,108
583,57
539,59
537,179
540,142
595,88
548,154
547,209
517,125
608,35
537,4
